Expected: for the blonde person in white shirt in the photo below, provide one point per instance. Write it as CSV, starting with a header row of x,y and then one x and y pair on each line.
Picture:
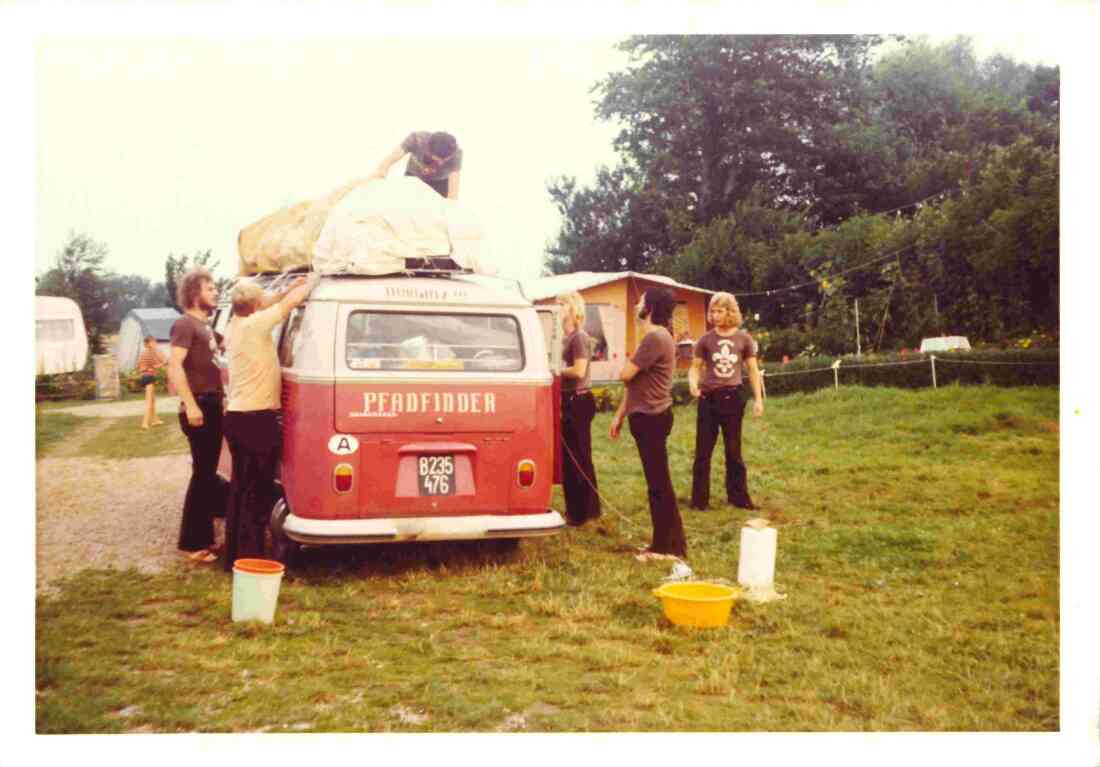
x,y
252,419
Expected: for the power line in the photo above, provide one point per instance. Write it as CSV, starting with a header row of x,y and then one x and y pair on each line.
x,y
940,194
800,285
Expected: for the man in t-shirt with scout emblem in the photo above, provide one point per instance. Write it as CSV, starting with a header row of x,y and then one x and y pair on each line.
x,y
197,378
434,158
722,356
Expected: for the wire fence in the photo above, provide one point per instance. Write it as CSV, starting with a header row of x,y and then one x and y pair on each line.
x,y
931,361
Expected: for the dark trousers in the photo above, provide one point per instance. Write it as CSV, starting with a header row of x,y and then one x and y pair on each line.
x,y
651,434
204,492
726,413
255,440
578,475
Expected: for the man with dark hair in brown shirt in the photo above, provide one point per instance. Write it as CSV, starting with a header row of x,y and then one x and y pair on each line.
x,y
198,381
434,158
647,402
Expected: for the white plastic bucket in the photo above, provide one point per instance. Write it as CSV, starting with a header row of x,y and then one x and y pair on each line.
x,y
256,589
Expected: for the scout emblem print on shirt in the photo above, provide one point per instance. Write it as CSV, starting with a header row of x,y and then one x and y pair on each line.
x,y
725,359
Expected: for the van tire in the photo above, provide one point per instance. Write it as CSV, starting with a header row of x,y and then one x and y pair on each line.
x,y
506,545
283,549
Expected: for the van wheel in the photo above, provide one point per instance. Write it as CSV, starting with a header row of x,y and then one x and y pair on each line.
x,y
506,545
283,549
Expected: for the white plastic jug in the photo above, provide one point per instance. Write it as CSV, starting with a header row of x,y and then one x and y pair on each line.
x,y
756,566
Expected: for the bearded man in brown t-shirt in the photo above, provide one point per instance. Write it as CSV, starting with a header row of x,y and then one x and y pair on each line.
x,y
198,381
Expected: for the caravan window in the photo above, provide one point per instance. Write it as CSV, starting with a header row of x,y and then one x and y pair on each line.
x,y
54,330
408,341
593,326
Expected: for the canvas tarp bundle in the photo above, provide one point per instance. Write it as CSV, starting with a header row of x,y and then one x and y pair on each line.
x,y
369,226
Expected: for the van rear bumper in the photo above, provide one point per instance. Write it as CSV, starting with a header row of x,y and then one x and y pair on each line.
x,y
403,529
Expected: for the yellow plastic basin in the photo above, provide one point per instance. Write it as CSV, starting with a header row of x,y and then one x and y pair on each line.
x,y
702,605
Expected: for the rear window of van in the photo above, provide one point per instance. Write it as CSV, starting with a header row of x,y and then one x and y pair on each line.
x,y
431,341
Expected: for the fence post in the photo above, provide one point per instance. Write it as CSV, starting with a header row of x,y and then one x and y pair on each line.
x,y
836,376
933,358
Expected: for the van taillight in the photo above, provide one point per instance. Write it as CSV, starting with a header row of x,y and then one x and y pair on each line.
x,y
341,477
525,472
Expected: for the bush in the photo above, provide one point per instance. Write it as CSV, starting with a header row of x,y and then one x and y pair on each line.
x,y
131,380
607,397
80,385
774,344
1012,367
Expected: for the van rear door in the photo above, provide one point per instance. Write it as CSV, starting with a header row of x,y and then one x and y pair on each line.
x,y
443,408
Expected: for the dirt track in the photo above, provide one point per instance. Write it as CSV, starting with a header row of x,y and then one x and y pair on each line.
x,y
100,513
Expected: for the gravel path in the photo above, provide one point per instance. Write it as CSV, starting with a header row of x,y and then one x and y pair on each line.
x,y
165,404
99,513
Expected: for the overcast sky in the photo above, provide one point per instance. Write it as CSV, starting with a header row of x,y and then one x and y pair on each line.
x,y
154,145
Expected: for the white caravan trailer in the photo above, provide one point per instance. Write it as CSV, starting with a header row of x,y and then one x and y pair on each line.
x,y
60,343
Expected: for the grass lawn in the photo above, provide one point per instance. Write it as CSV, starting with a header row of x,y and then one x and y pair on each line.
x,y
125,438
918,547
52,428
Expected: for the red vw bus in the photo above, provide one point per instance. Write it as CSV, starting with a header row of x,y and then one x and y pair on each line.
x,y
416,407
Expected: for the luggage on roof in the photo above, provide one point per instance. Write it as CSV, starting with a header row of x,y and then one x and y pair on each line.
x,y
369,226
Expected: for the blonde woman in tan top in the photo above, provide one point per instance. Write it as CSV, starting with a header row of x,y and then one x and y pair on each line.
x,y
578,408
252,420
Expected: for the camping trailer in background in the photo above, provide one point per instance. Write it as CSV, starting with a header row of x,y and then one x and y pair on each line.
x,y
609,299
139,323
60,341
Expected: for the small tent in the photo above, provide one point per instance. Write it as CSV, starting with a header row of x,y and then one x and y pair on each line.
x,y
60,342
137,324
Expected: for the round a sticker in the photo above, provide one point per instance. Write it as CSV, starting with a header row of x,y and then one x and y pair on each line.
x,y
343,444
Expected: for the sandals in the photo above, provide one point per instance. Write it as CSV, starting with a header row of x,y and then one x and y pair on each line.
x,y
203,557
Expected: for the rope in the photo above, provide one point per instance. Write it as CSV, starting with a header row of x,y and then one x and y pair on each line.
x,y
883,364
595,489
796,372
906,362
980,362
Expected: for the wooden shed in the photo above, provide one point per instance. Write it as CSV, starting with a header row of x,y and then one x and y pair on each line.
x,y
610,298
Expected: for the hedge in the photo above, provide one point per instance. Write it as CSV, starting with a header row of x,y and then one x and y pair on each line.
x,y
81,385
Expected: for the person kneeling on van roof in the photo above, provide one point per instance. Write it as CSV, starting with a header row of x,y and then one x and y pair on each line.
x,y
434,158
252,419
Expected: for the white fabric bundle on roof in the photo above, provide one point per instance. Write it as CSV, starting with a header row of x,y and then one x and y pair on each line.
x,y
369,227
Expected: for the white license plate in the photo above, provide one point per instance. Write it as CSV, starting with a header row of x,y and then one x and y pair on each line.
x,y
436,474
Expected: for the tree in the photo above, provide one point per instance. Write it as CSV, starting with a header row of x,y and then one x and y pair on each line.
x,y
924,185
706,120
613,226
126,292
176,266
78,274
711,116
